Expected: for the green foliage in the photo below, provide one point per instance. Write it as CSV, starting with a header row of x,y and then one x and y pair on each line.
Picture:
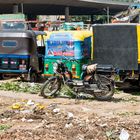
x,y
83,18
4,127
100,18
33,88
20,87
87,18
66,90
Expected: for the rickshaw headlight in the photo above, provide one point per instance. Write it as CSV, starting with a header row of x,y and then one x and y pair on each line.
x,y
55,67
46,67
73,67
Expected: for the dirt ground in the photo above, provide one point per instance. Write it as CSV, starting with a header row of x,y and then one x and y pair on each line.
x,y
26,116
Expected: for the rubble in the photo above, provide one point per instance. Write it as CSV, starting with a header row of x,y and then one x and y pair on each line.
x,y
29,119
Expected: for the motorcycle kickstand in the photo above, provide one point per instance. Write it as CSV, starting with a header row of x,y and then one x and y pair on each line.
x,y
77,97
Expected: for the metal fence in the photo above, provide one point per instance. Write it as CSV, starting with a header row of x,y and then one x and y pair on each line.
x,y
119,1
137,1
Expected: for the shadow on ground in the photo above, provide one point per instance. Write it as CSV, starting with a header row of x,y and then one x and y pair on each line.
x,y
134,90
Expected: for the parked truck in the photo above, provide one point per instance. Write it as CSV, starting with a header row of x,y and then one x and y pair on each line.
x,y
119,45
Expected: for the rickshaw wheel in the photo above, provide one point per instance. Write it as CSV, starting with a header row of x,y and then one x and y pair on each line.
x,y
4,77
1,77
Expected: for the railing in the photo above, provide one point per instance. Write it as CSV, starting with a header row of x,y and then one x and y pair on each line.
x,y
126,0
116,1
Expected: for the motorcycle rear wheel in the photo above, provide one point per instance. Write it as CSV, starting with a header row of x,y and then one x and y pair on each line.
x,y
50,87
106,86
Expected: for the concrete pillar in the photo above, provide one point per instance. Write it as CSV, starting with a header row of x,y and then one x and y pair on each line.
x,y
22,8
108,14
91,21
15,8
67,14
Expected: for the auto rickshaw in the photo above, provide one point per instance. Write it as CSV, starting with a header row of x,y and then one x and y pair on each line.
x,y
20,54
21,50
68,44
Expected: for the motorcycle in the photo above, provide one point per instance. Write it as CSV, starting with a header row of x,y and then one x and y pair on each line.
x,y
93,83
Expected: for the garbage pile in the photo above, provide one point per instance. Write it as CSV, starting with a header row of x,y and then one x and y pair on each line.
x,y
30,120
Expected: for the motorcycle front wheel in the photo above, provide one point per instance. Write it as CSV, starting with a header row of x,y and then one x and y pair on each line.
x,y
50,87
106,88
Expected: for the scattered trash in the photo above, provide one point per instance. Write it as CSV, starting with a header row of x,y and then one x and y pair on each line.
x,y
27,107
30,103
68,125
70,115
17,106
52,106
124,135
26,111
23,119
39,106
56,110
103,125
32,84
30,120
27,120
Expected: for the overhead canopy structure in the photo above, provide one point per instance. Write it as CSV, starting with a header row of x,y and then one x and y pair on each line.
x,y
57,7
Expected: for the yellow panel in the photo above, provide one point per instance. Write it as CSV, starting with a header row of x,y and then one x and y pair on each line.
x,y
92,47
138,36
77,35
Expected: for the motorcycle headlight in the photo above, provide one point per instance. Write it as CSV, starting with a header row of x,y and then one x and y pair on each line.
x,y
84,67
55,67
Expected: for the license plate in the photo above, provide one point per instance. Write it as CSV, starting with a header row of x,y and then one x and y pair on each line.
x,y
22,67
79,84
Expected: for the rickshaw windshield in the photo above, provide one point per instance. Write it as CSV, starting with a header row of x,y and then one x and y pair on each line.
x,y
13,25
60,48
